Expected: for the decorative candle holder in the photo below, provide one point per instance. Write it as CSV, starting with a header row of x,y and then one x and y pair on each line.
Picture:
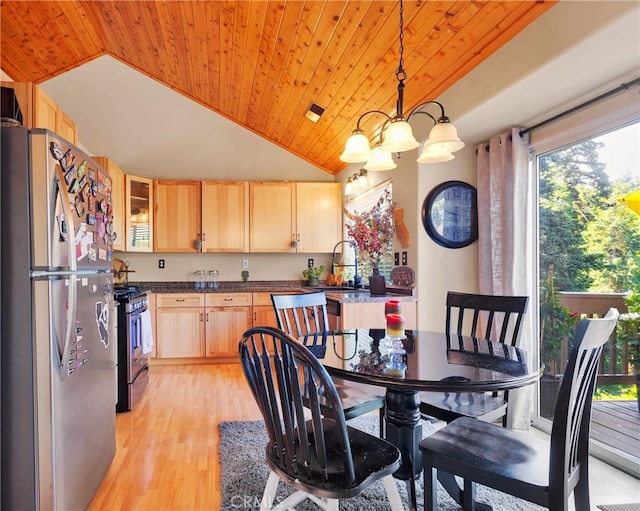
x,y
395,325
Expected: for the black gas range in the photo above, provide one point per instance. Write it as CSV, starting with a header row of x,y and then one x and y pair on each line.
x,y
135,342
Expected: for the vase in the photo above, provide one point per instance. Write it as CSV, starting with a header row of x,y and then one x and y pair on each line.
x,y
313,281
377,286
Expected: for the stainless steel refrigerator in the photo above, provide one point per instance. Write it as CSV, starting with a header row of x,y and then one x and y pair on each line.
x,y
57,350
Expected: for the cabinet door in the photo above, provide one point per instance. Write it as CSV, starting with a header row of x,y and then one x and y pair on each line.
x,y
225,216
46,111
177,216
139,214
318,216
66,128
272,222
225,326
264,315
117,200
180,332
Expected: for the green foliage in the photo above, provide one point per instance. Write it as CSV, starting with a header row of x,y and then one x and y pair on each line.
x,y
628,328
616,393
556,323
592,241
313,272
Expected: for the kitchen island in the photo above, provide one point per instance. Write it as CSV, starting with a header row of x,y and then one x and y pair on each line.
x,y
195,323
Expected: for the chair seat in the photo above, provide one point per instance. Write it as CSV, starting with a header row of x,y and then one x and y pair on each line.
x,y
448,406
358,398
504,459
368,468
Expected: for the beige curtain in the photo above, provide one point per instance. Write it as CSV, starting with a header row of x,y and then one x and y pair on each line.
x,y
506,235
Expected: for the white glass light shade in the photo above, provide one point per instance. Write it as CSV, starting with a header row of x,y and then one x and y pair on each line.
x,y
429,156
348,189
444,139
398,137
381,160
357,149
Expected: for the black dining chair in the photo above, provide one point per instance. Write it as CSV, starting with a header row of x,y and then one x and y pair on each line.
x,y
518,463
306,314
490,317
310,445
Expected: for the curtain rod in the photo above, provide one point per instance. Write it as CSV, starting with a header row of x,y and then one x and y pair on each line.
x,y
623,86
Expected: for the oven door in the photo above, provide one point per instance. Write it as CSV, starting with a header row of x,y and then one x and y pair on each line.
x,y
137,386
138,356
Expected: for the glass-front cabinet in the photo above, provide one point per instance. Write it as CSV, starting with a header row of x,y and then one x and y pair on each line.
x,y
139,214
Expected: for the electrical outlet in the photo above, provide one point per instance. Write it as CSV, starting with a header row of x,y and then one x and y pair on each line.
x,y
161,263
310,262
404,258
245,264
396,258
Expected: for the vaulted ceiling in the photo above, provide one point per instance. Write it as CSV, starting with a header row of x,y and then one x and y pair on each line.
x,y
262,64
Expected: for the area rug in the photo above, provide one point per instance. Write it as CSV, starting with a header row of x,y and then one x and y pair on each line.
x,y
620,507
244,474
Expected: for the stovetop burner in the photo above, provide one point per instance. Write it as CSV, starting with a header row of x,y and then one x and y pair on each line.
x,y
125,292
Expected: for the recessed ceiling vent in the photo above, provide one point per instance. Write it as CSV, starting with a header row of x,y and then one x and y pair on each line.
x,y
314,112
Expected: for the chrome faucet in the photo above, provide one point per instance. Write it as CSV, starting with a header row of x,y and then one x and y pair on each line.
x,y
356,278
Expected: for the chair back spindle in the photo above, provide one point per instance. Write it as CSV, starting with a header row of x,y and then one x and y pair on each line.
x,y
285,379
483,316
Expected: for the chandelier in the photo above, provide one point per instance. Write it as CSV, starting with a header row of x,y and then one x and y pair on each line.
x,y
396,135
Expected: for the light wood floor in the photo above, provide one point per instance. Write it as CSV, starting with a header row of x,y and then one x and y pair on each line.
x,y
167,448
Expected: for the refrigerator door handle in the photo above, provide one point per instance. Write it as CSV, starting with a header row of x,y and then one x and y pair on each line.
x,y
68,217
68,363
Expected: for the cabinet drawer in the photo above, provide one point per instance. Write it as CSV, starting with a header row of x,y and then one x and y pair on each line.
x,y
264,298
180,300
228,299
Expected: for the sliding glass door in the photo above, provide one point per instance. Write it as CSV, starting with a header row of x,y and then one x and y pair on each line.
x,y
589,260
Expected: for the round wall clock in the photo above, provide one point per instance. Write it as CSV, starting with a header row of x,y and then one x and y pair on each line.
x,y
450,214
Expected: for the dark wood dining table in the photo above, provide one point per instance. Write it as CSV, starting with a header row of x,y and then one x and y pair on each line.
x,y
421,361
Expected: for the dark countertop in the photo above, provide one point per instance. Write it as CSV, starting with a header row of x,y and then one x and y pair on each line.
x,y
269,286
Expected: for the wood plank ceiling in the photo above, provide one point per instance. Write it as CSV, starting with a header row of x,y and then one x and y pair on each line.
x,y
261,64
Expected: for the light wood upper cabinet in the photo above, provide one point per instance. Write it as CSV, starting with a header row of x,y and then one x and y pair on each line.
x,y
272,224
117,200
225,216
295,217
67,128
46,111
139,214
40,111
177,224
318,216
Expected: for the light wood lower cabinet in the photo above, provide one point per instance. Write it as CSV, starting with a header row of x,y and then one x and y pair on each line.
x,y
180,325
263,313
224,329
228,316
198,325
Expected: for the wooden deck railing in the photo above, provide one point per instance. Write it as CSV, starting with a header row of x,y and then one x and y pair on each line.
x,y
615,364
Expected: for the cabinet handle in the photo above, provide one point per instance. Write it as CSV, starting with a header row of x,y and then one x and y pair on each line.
x,y
203,237
293,243
202,316
228,299
298,236
207,316
179,299
255,316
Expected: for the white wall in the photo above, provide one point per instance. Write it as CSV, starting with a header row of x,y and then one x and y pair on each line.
x,y
180,267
